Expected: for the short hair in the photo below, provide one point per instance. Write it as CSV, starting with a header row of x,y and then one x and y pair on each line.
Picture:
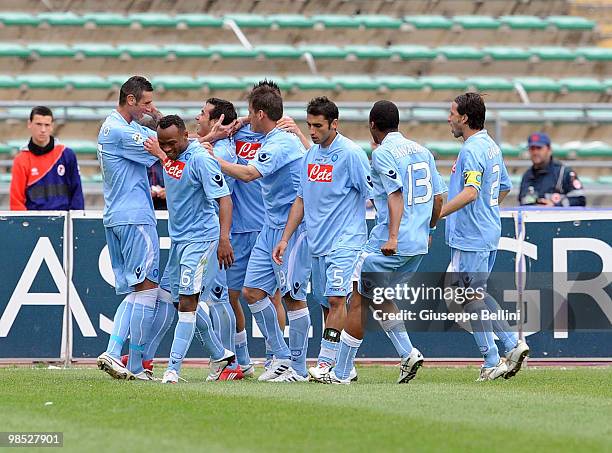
x,y
172,120
267,99
472,105
42,111
324,107
385,116
268,83
222,107
135,85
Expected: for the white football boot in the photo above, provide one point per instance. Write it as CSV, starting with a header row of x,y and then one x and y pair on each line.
x,y
492,373
410,365
170,377
319,372
217,366
515,358
277,367
113,367
289,376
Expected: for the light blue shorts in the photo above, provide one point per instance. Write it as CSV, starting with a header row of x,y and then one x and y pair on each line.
x,y
292,276
192,268
134,255
218,290
242,243
332,274
471,269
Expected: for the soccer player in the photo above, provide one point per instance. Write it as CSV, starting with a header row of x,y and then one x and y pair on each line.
x,y
200,243
277,165
335,184
408,197
129,222
479,183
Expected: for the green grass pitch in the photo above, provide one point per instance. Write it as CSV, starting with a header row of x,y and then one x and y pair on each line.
x,y
541,409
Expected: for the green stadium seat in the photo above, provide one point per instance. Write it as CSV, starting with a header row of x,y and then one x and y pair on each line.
x,y
158,20
413,52
97,178
506,53
596,149
460,52
199,20
595,53
571,23
143,50
429,115
5,149
514,151
43,81
607,180
177,82
490,83
278,51
87,82
62,19
308,82
608,83
368,51
429,22
82,113
539,84
82,146
393,82
348,114
520,115
108,19
18,19
17,144
515,179
232,51
365,145
583,84
562,115
356,82
477,22
560,151
20,112
52,49
600,115
118,79
323,51
336,21
95,50
7,81
9,49
443,148
221,82
587,180
553,53
188,50
379,21
517,22
444,83
297,114
5,177
251,80
291,21
250,20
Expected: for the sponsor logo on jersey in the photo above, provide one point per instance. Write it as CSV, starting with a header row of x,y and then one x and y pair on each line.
x,y
174,168
218,179
320,173
138,138
61,170
34,171
247,150
392,174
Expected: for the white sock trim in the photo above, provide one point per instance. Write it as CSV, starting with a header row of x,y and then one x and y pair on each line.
x,y
350,340
240,337
147,297
164,296
297,314
187,316
260,305
129,298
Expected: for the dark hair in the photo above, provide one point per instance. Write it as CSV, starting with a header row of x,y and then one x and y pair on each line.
x,y
171,120
324,107
222,107
385,116
472,105
42,111
267,99
135,86
267,83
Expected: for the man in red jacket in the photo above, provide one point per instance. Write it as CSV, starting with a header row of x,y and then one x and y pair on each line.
x,y
45,175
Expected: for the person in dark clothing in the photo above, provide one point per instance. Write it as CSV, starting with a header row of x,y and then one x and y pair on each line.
x,y
156,181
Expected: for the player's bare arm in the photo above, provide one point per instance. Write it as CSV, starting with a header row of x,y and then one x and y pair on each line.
x,y
225,253
502,195
296,215
246,173
463,198
395,201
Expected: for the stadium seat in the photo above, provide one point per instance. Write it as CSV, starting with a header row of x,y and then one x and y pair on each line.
x,y
143,50
413,52
307,82
582,84
291,21
600,115
102,19
10,18
177,82
82,146
7,81
428,22
367,51
5,149
400,82
319,51
62,19
490,83
97,50
336,21
558,115
250,80
518,22
570,23
539,84
158,20
188,50
232,51
356,82
444,83
5,177
199,20
595,53
379,21
86,82
506,53
553,53
429,115
52,50
476,22
213,82
278,51
595,150
460,52
443,148
250,20
41,81
8,49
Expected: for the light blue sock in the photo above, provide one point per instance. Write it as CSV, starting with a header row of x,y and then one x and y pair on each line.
x,y
347,351
164,316
206,334
328,352
265,315
121,326
269,354
224,323
299,326
501,327
140,327
396,331
183,334
242,349
483,333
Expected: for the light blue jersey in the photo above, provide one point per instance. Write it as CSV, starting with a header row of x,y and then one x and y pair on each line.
x,y
477,227
124,161
193,182
249,213
401,164
279,160
335,184
226,150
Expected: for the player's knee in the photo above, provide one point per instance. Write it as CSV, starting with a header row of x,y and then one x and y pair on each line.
x,y
336,302
188,303
251,295
293,305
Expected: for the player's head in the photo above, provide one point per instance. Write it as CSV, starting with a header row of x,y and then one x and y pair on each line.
x,y
467,113
172,135
211,112
322,120
540,152
384,118
268,83
136,97
265,108
40,125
